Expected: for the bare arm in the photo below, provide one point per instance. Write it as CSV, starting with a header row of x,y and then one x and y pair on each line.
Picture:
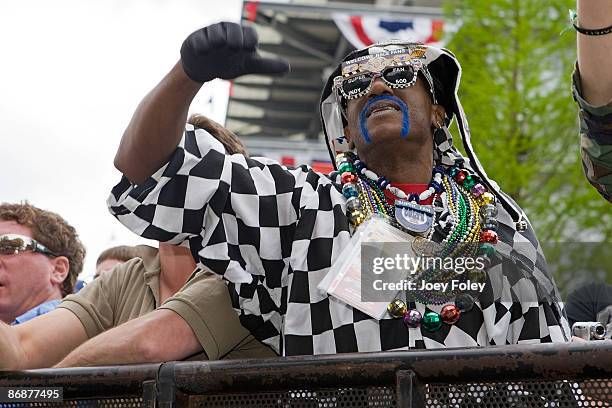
x,y
223,50
11,350
161,335
157,126
595,52
40,342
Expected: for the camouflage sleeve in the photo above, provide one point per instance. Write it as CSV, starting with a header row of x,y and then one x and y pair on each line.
x,y
595,140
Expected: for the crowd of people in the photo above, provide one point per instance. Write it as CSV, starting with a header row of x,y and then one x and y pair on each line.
x,y
252,253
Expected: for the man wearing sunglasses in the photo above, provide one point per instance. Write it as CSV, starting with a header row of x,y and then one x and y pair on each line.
x,y
40,259
110,320
281,237
116,319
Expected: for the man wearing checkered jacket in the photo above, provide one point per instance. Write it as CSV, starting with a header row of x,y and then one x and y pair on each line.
x,y
273,232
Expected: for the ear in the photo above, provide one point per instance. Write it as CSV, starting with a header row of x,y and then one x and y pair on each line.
x,y
61,267
438,114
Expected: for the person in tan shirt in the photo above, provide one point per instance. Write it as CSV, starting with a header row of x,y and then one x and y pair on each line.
x,y
107,322
150,309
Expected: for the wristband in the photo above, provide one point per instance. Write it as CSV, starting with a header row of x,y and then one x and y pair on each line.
x,y
588,31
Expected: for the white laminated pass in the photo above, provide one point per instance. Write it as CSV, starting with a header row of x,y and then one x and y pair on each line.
x,y
343,281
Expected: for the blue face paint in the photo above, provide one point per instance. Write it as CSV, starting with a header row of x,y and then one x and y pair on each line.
x,y
399,102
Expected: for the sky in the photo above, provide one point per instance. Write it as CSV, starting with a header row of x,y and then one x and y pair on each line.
x,y
71,74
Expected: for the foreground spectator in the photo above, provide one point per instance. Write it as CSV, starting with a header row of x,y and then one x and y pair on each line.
x,y
111,257
40,258
275,233
121,312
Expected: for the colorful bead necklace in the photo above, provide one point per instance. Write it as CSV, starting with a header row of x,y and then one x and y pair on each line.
x,y
472,230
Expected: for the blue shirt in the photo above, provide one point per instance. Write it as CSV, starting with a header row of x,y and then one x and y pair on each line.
x,y
41,309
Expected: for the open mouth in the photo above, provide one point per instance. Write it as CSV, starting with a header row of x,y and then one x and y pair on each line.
x,y
382,106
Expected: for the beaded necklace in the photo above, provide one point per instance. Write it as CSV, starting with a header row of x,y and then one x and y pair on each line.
x,y
471,231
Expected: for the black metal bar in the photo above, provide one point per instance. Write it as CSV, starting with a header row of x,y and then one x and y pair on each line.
x,y
403,389
165,389
543,362
90,382
252,376
518,362
408,390
149,394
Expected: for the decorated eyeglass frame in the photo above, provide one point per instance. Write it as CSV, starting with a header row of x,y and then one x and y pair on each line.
x,y
12,244
397,68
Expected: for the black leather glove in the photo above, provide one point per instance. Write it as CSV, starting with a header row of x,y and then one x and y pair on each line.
x,y
225,50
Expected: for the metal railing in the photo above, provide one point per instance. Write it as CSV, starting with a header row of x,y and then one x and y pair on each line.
x,y
543,375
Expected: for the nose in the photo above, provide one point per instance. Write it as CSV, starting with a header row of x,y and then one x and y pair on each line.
x,y
379,87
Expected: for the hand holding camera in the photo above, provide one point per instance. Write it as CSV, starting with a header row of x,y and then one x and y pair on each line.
x,y
589,330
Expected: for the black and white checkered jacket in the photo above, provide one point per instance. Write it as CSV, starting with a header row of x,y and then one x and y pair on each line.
x,y
272,233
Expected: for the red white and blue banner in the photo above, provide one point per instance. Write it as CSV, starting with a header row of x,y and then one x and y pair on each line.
x,y
362,31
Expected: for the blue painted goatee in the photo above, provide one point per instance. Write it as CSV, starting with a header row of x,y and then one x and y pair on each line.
x,y
403,107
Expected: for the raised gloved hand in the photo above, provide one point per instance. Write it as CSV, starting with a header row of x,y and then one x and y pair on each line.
x,y
226,50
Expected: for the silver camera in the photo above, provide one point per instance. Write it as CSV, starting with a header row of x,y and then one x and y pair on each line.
x,y
589,330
